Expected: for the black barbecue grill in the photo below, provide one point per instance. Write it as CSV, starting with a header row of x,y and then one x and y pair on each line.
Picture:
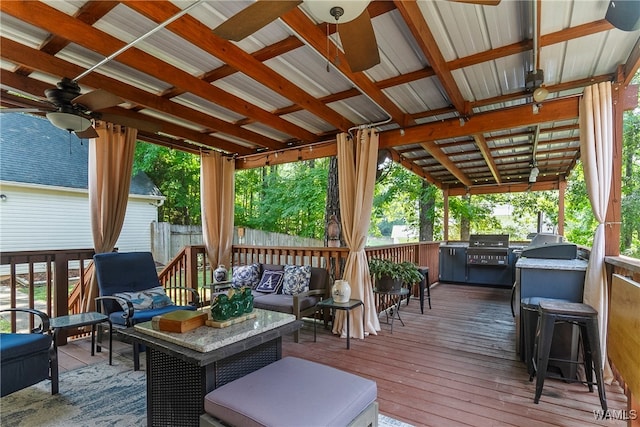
x,y
488,249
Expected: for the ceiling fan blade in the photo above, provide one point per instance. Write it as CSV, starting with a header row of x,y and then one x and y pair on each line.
x,y
359,43
97,100
88,133
479,2
131,122
252,18
24,110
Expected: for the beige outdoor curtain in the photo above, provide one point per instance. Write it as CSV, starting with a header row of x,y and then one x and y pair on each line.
x,y
110,167
357,162
217,199
596,148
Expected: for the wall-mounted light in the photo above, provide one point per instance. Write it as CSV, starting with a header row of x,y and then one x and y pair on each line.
x,y
540,94
3,197
533,175
534,83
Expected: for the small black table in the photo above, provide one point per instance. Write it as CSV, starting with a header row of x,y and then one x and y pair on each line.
x,y
83,319
346,306
398,293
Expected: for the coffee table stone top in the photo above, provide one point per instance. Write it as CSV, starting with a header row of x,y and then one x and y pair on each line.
x,y
205,338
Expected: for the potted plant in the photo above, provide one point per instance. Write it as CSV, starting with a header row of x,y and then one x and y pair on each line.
x,y
391,275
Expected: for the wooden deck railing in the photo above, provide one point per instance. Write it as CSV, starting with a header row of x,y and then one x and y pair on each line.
x,y
190,267
46,271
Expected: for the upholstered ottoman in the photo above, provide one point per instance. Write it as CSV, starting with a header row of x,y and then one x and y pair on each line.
x,y
293,392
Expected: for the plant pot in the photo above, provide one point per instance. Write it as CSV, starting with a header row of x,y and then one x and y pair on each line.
x,y
386,284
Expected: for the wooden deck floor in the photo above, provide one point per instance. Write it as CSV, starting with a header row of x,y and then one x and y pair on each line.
x,y
455,365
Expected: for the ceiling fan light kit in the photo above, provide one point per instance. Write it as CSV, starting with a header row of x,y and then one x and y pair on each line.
x,y
68,121
332,11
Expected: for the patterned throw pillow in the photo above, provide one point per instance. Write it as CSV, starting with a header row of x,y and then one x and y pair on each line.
x,y
246,275
147,299
270,282
296,279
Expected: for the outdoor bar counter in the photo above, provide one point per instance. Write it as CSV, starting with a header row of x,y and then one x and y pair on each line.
x,y
183,367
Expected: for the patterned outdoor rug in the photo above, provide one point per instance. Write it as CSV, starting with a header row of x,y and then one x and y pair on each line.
x,y
96,395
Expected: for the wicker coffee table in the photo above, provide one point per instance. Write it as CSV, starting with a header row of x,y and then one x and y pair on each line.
x,y
183,367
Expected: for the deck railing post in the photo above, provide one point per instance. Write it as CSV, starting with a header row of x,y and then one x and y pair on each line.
x,y
61,293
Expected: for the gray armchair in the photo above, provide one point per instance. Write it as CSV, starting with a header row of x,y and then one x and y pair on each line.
x,y
27,358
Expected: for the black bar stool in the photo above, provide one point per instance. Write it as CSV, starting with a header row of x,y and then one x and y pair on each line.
x,y
529,308
586,317
424,283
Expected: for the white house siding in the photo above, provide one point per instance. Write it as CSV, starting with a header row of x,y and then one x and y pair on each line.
x,y
45,217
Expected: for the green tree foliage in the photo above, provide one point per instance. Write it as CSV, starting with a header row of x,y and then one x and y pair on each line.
x,y
630,230
397,195
177,175
285,199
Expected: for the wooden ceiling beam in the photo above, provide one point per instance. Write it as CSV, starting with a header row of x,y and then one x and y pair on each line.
x,y
200,35
414,18
299,153
632,64
504,188
56,22
488,158
491,55
411,166
492,121
351,93
35,59
443,159
578,31
227,70
280,48
304,27
89,13
35,87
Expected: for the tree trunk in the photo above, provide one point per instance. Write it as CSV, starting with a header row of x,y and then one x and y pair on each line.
x,y
464,220
333,197
333,208
427,212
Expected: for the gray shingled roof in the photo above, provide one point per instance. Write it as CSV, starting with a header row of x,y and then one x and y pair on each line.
x,y
34,151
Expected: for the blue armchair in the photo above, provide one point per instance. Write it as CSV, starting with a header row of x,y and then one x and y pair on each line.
x,y
130,291
27,358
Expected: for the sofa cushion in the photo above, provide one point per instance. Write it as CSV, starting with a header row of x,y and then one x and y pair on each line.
x,y
146,299
246,275
270,282
296,279
19,345
274,302
292,392
284,303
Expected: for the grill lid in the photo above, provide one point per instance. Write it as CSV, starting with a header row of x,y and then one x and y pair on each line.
x,y
489,241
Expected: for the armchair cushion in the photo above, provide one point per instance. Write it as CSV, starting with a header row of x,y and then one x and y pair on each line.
x,y
117,317
147,299
296,279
